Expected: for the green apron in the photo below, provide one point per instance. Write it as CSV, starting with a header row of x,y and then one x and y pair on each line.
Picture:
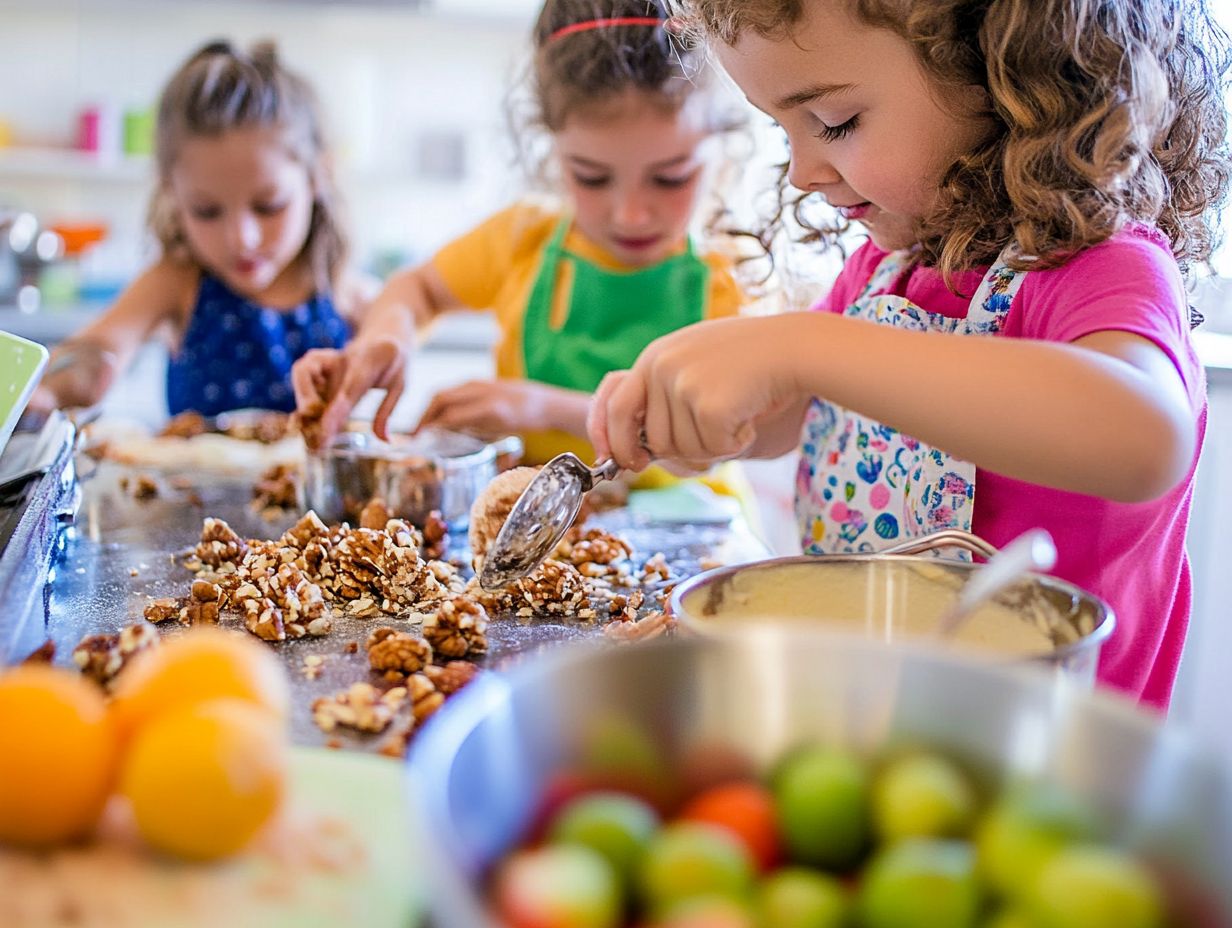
x,y
611,317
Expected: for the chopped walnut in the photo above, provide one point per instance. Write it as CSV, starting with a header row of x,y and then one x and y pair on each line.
x,y
199,613
625,607
457,628
184,425
160,610
266,427
360,707
425,697
277,488
205,592
555,587
656,567
307,529
219,544
435,536
375,515
144,487
98,657
393,650
652,626
452,677
593,546
307,421
43,654
101,657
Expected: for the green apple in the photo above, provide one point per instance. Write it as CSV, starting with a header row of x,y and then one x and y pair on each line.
x,y
796,897
821,800
617,825
1022,831
922,795
1009,918
1086,886
690,859
707,912
920,883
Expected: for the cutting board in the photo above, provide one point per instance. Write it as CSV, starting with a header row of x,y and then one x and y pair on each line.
x,y
341,855
21,363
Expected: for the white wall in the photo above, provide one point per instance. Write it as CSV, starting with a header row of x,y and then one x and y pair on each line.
x,y
387,77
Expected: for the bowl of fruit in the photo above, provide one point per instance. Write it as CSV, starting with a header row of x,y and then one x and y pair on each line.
x,y
797,779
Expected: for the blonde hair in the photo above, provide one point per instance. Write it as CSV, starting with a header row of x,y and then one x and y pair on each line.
x,y
220,88
1104,113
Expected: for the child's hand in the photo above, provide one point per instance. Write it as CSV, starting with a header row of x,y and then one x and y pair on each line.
x,y
696,395
496,408
334,381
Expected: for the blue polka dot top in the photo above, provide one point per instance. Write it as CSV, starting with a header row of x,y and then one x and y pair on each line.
x,y
238,354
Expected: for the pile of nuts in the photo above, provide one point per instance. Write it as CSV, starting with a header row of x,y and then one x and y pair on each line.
x,y
101,657
286,587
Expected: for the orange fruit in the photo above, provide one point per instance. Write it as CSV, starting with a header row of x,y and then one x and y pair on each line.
x,y
203,779
58,755
746,810
202,664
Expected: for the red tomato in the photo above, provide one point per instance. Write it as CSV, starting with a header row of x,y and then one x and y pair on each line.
x,y
747,811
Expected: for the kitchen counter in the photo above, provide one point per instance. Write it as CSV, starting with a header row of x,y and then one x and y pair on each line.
x,y
120,554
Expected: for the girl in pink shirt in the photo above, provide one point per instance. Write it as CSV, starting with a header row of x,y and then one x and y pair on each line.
x,y
1033,176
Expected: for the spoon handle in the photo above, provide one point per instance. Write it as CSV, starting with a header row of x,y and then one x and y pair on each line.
x,y
1032,550
603,470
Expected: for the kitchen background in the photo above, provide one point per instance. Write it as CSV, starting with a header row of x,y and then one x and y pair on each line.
x,y
414,94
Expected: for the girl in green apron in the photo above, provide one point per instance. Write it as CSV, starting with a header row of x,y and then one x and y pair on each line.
x,y
577,290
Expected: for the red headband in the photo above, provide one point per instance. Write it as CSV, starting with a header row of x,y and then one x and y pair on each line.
x,y
605,23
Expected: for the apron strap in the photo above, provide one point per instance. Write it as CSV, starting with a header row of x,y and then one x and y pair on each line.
x,y
995,294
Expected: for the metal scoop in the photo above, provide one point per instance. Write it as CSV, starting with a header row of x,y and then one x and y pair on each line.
x,y
1032,550
540,518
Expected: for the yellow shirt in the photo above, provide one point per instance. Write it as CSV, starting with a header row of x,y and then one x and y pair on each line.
x,y
494,267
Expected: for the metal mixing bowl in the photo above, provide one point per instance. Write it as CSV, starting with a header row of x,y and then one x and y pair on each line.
x,y
479,771
898,595
414,475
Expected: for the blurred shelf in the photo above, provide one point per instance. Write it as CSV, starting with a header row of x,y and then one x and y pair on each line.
x,y
50,325
70,164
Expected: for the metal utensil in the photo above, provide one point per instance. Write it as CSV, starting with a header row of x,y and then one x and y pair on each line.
x,y
1031,551
541,516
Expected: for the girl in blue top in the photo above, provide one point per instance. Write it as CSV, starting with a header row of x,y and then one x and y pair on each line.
x,y
251,273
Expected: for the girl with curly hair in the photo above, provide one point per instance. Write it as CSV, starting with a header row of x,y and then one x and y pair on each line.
x,y
253,268
1010,347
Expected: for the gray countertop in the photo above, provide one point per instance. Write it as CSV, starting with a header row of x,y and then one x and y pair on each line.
x,y
120,555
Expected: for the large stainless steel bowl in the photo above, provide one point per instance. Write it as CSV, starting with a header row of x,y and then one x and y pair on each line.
x,y
479,770
897,595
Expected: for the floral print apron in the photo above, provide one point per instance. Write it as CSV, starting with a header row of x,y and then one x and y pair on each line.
x,y
861,485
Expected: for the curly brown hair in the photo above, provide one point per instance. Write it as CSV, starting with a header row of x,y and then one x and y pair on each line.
x,y
220,88
1105,113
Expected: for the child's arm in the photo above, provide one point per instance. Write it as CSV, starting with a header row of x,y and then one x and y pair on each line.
x,y
83,367
495,408
1106,415
328,383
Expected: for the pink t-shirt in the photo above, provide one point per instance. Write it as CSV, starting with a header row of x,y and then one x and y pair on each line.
x,y
1130,554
